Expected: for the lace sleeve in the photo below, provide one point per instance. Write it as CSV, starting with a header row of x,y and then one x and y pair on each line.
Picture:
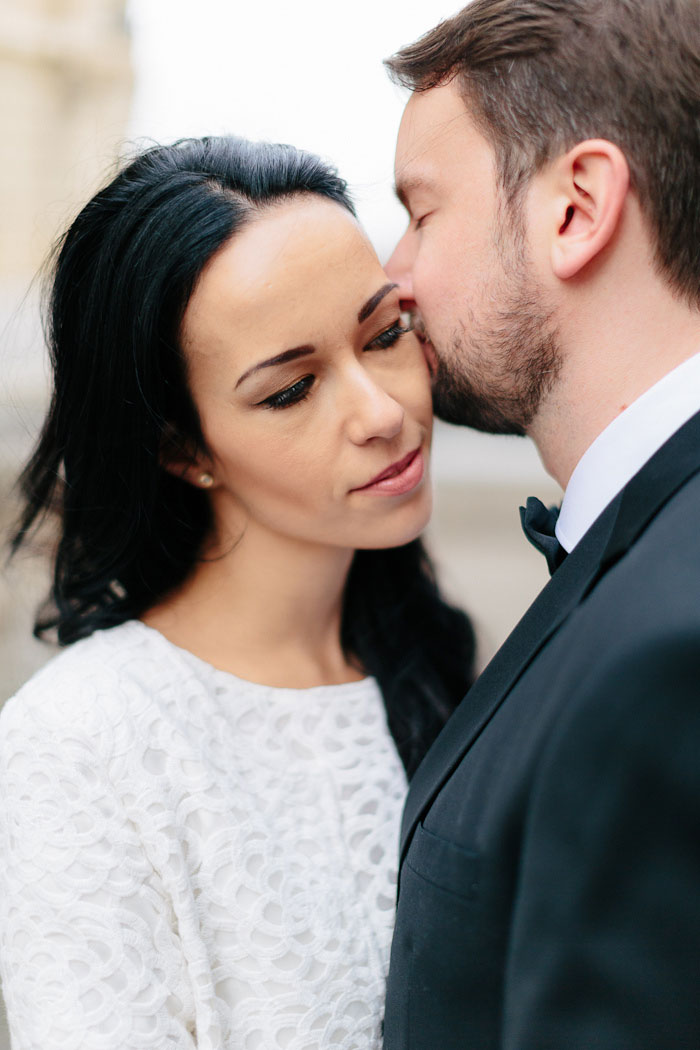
x,y
89,948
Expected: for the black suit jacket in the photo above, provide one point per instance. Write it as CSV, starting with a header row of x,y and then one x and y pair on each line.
x,y
549,890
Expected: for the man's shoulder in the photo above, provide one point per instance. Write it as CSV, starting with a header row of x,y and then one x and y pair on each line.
x,y
641,618
677,517
643,612
658,577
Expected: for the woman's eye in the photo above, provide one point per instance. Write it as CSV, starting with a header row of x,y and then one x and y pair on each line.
x,y
292,395
419,222
388,337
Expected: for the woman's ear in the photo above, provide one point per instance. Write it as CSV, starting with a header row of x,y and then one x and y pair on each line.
x,y
590,186
183,460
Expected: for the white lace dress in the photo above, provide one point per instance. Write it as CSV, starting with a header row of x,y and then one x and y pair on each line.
x,y
191,860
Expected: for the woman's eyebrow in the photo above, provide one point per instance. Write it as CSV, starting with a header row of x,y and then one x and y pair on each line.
x,y
302,351
372,303
278,359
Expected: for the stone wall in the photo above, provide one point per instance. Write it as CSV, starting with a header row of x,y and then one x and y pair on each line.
x,y
65,81
65,84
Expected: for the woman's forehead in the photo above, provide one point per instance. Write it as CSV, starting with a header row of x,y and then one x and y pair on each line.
x,y
302,261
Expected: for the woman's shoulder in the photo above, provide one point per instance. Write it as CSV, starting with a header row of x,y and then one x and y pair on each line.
x,y
88,687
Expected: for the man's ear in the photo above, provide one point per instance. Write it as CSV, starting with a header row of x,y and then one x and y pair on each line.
x,y
590,184
183,460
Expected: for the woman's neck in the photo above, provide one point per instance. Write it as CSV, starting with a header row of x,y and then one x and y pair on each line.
x,y
265,608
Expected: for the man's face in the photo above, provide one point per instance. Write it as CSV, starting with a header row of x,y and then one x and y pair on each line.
x,y
464,272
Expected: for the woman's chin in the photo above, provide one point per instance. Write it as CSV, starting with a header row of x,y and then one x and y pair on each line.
x,y
402,526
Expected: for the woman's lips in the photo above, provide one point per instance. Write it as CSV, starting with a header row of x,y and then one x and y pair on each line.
x,y
400,477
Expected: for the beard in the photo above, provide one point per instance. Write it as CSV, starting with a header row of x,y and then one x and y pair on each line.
x,y
497,373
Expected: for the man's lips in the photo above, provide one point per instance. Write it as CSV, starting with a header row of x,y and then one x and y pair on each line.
x,y
399,475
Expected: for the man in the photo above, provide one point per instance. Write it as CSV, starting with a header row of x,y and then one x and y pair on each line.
x,y
549,160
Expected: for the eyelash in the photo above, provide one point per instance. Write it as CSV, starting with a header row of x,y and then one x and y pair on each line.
x,y
386,339
299,391
293,395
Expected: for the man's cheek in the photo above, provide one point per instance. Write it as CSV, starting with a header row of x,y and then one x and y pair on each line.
x,y
430,358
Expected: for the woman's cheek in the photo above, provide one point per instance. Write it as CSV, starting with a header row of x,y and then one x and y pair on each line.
x,y
418,393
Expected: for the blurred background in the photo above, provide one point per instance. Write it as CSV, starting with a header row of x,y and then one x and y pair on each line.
x,y
84,82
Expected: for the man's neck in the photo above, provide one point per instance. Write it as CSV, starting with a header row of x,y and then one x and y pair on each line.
x,y
620,349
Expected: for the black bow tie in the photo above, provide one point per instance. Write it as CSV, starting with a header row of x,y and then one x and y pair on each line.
x,y
538,524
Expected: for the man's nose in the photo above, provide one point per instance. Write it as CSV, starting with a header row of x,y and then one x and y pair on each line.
x,y
400,269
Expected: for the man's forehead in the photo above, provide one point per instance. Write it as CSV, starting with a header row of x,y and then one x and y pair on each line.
x,y
431,121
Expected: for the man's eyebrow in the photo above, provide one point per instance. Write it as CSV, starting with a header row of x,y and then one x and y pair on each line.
x,y
411,184
278,359
372,303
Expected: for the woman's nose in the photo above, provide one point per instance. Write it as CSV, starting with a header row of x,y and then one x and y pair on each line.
x,y
371,411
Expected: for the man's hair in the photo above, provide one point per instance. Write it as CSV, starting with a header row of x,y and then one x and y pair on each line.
x,y
539,76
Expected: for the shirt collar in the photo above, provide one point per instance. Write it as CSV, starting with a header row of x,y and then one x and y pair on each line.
x,y
623,448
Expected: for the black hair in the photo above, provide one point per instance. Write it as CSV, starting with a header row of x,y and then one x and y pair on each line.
x,y
129,532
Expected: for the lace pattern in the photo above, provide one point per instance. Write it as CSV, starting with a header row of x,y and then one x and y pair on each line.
x,y
190,860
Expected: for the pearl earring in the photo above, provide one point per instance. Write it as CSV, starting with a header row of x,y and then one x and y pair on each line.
x,y
206,481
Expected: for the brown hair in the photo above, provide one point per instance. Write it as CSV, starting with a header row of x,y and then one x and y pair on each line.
x,y
541,75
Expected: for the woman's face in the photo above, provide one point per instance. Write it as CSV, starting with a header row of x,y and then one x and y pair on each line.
x,y
307,386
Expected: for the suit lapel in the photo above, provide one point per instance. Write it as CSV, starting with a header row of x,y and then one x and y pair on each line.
x,y
605,542
561,595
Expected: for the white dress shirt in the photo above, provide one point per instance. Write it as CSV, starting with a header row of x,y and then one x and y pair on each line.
x,y
623,448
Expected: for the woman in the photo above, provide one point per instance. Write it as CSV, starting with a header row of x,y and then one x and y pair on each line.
x,y
201,795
